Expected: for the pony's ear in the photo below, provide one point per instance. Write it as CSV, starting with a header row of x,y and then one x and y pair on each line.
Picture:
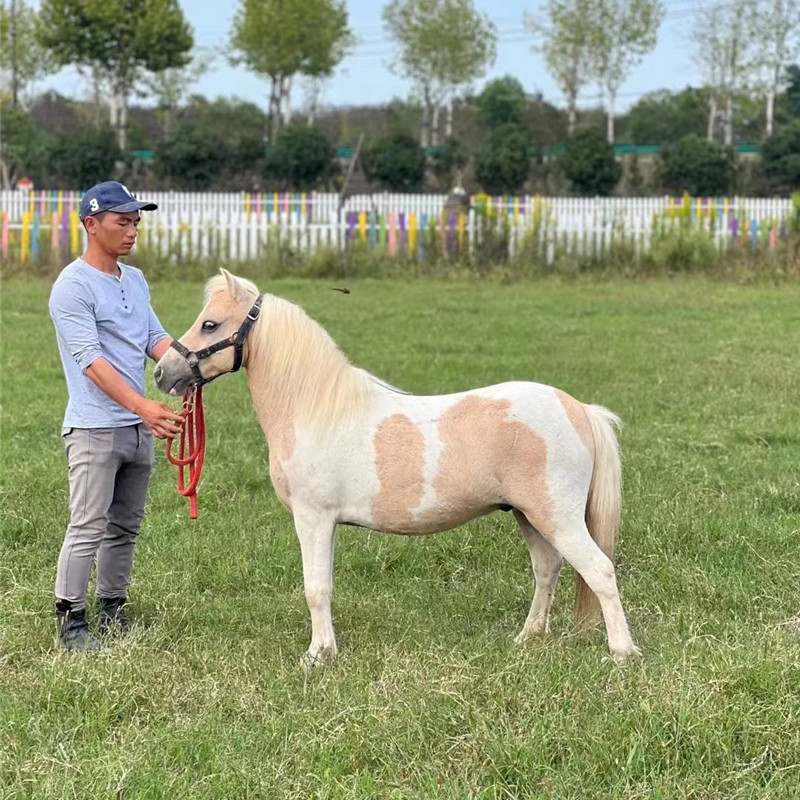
x,y
235,286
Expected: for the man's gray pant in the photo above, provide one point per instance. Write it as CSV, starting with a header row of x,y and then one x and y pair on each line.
x,y
109,471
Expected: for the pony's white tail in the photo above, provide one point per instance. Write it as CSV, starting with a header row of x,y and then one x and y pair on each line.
x,y
604,504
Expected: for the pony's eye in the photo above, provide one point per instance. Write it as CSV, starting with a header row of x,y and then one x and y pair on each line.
x,y
208,325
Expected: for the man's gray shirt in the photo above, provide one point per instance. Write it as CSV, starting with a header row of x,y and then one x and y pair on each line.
x,y
97,314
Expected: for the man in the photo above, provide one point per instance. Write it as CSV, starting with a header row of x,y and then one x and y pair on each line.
x,y
105,329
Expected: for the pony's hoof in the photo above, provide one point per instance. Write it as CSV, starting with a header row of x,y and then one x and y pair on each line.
x,y
529,633
318,657
630,654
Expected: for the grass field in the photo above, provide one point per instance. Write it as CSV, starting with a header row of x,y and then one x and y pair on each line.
x,y
430,698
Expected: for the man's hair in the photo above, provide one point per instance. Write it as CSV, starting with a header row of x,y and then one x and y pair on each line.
x,y
99,217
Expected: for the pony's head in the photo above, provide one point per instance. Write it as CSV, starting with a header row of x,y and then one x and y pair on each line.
x,y
228,300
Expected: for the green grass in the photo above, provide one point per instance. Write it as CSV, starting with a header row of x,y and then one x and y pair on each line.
x,y
430,698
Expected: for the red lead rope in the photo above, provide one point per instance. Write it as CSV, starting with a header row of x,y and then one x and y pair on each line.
x,y
192,450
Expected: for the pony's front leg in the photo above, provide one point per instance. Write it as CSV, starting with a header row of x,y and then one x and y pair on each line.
x,y
317,536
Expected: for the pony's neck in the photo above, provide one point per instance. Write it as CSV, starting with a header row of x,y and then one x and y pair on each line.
x,y
297,374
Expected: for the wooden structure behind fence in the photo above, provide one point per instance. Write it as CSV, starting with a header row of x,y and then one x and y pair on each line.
x,y
230,227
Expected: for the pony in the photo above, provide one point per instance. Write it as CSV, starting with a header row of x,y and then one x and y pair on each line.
x,y
346,448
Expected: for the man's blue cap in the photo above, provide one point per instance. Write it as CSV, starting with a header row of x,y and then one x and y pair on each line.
x,y
111,196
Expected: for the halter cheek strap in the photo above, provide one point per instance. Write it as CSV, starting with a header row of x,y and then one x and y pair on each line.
x,y
235,340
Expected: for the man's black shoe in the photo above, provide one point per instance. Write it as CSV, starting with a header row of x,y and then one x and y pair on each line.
x,y
112,615
73,630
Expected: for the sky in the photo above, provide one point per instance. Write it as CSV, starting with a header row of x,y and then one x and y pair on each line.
x,y
365,77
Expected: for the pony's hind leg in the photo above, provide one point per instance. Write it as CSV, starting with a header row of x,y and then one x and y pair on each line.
x,y
546,562
572,539
317,537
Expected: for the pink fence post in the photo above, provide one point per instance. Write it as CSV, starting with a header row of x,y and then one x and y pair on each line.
x,y
392,235
4,242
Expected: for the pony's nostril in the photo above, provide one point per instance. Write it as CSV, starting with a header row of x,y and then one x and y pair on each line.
x,y
158,373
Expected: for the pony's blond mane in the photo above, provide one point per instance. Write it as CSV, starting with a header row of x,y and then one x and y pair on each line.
x,y
300,363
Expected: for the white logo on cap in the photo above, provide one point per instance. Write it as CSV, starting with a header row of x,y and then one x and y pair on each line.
x,y
94,205
126,190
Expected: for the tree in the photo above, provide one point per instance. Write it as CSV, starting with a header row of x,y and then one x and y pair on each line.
x,y
79,159
301,157
697,166
624,33
395,162
780,158
22,59
566,44
792,94
22,147
776,24
280,39
170,86
191,157
662,117
117,40
502,163
720,39
443,45
589,164
501,102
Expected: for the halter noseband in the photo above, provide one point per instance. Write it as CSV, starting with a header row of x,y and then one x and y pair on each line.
x,y
235,340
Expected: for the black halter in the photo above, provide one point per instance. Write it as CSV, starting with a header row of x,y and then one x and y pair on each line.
x,y
235,340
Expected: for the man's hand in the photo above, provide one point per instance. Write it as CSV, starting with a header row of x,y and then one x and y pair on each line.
x,y
163,421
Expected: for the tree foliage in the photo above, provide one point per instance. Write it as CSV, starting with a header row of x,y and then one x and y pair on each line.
x,y
589,164
279,39
23,147
443,45
117,40
395,162
79,159
33,62
301,157
780,158
502,163
663,117
501,102
697,166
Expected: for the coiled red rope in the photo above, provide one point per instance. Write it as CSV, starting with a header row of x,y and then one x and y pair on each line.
x,y
192,447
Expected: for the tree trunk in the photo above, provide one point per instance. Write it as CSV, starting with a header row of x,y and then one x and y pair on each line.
x,y
118,114
425,128
13,48
272,113
572,114
286,89
712,116
612,96
448,126
435,126
729,119
770,113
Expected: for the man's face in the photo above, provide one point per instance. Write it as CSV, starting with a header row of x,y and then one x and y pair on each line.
x,y
114,233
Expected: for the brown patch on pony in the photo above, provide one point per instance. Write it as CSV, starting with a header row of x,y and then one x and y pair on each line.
x,y
488,460
576,414
400,464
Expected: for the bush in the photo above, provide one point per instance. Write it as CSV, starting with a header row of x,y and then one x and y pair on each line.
x,y
589,164
502,163
395,162
191,157
780,158
697,166
23,145
301,157
82,157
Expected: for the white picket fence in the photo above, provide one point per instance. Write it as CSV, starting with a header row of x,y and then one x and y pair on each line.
x,y
239,226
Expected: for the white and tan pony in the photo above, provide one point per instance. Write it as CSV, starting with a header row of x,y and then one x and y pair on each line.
x,y
346,448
